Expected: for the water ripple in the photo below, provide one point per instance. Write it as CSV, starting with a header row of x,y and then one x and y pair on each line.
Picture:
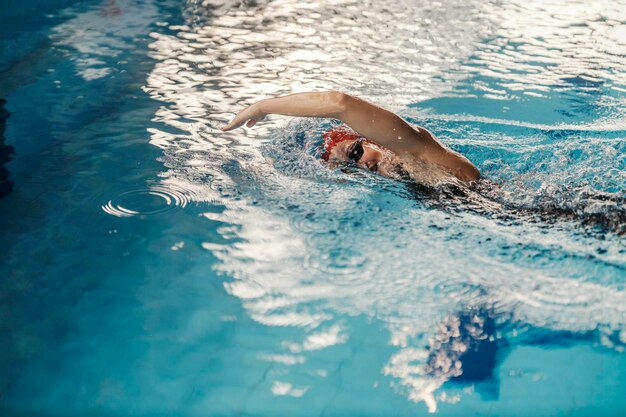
x,y
145,202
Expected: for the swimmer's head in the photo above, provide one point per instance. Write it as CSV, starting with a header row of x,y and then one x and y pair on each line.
x,y
344,145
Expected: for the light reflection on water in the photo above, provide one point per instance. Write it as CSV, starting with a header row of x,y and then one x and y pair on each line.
x,y
533,93
313,245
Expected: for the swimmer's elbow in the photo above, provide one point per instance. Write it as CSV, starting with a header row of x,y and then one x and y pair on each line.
x,y
340,102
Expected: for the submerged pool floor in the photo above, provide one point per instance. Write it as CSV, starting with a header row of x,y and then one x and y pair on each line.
x,y
151,265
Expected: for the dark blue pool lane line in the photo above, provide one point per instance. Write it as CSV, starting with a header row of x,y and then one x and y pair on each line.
x,y
6,152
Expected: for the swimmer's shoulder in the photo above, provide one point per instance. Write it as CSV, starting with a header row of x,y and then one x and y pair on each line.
x,y
457,164
462,168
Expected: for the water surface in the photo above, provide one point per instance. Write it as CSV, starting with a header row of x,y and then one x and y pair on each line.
x,y
152,265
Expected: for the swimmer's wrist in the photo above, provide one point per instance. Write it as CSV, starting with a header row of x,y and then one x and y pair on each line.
x,y
258,109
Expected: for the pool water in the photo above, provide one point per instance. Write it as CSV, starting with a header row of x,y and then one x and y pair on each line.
x,y
151,265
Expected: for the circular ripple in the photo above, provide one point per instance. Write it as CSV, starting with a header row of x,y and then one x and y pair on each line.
x,y
337,261
144,202
315,222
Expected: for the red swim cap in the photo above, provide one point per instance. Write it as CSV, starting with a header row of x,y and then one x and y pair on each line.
x,y
334,136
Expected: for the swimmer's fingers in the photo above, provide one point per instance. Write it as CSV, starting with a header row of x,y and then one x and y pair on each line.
x,y
234,124
249,115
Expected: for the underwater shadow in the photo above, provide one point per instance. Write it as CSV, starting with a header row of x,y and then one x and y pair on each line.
x,y
470,345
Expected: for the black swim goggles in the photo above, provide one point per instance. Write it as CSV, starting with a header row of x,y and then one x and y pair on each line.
x,y
355,152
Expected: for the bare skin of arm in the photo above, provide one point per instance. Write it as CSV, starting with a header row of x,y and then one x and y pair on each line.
x,y
368,120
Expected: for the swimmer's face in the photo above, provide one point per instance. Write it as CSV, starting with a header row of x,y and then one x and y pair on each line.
x,y
364,154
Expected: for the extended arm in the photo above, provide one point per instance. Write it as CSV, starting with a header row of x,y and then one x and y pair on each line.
x,y
367,119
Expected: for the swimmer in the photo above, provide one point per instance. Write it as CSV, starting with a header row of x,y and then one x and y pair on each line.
x,y
377,139
381,141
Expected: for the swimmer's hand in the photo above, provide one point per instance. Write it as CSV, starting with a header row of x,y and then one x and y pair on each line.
x,y
250,116
325,104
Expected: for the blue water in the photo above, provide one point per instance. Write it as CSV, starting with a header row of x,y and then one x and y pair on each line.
x,y
151,265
